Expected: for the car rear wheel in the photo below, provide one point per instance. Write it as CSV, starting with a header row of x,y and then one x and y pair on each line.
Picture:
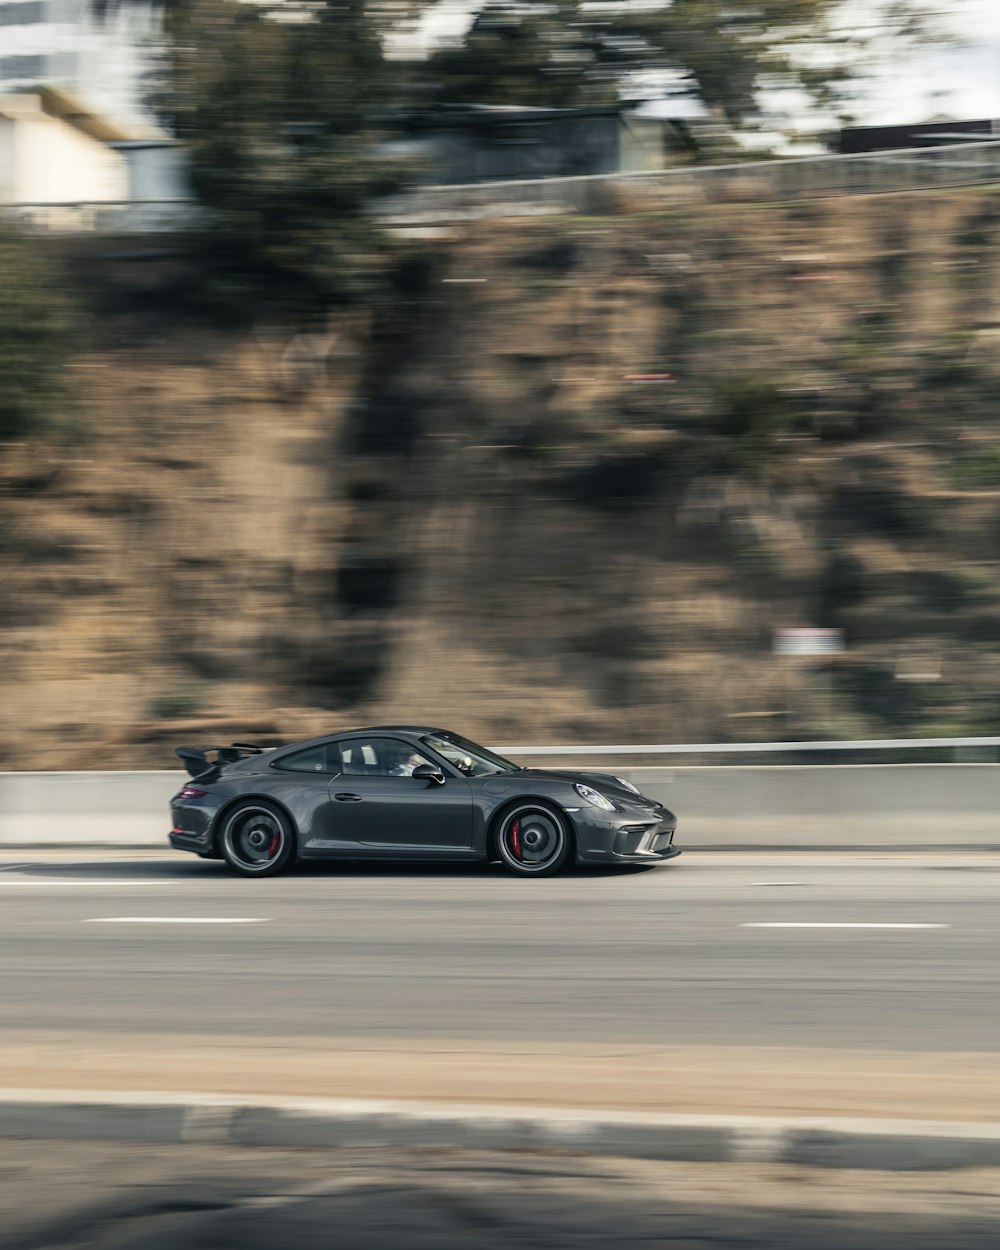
x,y
533,841
257,840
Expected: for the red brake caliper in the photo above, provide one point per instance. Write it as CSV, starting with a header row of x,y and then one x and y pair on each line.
x,y
515,839
272,850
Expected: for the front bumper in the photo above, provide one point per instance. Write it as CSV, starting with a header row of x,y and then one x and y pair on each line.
x,y
636,857
627,840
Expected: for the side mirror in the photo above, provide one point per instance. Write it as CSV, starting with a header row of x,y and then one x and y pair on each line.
x,y
428,772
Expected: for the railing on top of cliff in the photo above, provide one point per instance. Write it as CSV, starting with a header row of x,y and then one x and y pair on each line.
x,y
106,216
794,178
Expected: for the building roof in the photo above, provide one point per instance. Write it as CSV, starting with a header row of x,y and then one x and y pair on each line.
x,y
57,102
468,116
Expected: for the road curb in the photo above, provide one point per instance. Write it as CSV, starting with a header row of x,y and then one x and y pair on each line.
x,y
885,1145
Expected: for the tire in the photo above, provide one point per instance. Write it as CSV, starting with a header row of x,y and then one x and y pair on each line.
x,y
257,840
533,841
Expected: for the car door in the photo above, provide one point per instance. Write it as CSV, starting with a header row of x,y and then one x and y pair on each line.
x,y
301,781
390,812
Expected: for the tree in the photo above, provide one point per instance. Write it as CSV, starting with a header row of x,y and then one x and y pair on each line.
x,y
275,108
727,53
530,54
36,338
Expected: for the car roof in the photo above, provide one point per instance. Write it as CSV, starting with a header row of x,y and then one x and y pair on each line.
x,y
303,743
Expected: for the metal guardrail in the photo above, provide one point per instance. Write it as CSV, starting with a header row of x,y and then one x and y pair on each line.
x,y
106,216
794,178
756,748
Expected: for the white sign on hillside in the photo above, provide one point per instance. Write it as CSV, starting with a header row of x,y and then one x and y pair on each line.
x,y
808,641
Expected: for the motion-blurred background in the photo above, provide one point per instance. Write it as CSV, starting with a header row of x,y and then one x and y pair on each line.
x,y
291,437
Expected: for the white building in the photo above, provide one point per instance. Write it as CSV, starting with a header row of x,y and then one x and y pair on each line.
x,y
101,51
53,151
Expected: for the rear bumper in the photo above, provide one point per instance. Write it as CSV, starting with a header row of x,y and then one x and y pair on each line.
x,y
198,843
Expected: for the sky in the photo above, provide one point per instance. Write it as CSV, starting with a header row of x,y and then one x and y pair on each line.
x,y
961,81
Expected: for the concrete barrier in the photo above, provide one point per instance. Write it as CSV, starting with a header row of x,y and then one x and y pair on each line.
x,y
851,806
873,805
105,809
308,1123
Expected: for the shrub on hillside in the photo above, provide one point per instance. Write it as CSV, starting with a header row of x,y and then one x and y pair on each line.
x,y
753,415
980,471
36,330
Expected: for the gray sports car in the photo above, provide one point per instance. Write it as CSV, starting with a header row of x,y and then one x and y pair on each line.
x,y
406,793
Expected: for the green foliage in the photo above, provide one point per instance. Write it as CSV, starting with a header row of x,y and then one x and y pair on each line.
x,y
875,692
749,407
561,53
950,367
10,537
542,55
753,558
277,118
869,339
979,471
728,50
558,257
183,701
36,336
751,414
877,503
842,586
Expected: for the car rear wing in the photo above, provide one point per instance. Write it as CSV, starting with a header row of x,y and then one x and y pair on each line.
x,y
201,768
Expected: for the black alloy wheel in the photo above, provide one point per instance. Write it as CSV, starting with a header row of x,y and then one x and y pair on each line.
x,y
257,840
533,841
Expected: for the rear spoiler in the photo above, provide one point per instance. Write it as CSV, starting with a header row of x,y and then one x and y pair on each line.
x,y
201,768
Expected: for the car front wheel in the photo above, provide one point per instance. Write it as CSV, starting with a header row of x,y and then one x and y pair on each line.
x,y
533,841
257,840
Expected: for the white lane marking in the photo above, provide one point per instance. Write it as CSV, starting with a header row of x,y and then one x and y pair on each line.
x,y
837,924
46,882
777,883
176,920
13,867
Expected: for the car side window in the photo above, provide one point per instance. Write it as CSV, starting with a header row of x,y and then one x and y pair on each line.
x,y
379,757
321,759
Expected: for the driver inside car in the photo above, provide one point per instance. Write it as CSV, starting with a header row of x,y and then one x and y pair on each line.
x,y
406,764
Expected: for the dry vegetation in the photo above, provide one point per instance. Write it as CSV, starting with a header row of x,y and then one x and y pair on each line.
x,y
468,511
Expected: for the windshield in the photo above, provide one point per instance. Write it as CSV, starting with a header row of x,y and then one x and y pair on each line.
x,y
468,757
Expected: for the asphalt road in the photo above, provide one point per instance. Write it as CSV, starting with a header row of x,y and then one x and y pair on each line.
x,y
661,955
120,1197
652,989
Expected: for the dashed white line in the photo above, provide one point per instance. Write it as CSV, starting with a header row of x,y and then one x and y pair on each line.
x,y
830,924
777,883
176,920
49,883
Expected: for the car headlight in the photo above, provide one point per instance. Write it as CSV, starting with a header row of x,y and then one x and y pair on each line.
x,y
627,784
593,798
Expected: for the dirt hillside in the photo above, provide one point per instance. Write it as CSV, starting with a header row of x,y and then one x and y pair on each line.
x,y
563,486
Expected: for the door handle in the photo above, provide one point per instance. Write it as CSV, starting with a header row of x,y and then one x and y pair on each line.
x,y
347,798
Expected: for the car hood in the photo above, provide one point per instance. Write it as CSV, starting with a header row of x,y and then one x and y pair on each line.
x,y
607,783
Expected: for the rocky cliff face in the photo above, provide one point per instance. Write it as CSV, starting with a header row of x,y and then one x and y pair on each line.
x,y
563,485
